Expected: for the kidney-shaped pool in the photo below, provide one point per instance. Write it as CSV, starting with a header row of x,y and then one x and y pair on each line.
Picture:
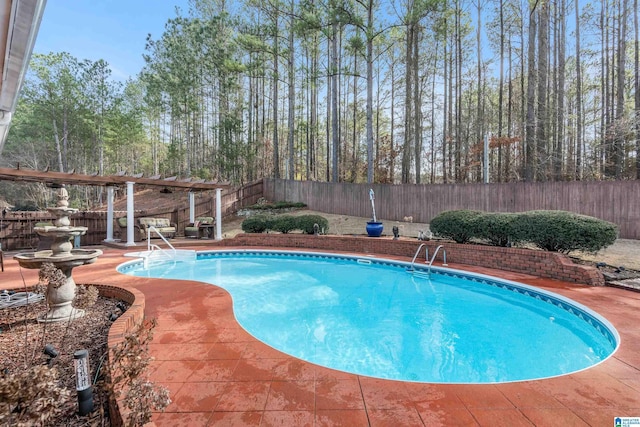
x,y
373,317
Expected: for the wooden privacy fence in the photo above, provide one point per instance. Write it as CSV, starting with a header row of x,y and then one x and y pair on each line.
x,y
17,228
614,201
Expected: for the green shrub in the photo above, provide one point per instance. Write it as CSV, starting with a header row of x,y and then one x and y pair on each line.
x,y
456,225
286,205
256,224
560,231
278,205
497,228
284,223
305,223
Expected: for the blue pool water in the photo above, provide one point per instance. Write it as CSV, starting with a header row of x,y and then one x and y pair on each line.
x,y
374,318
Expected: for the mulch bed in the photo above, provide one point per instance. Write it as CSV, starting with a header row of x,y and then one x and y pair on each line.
x,y
22,342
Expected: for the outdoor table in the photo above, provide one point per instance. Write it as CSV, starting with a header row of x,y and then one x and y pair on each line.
x,y
205,231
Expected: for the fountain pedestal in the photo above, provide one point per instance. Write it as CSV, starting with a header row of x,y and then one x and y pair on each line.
x,y
62,256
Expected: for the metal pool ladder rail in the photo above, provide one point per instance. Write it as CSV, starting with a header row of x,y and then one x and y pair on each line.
x,y
156,253
412,269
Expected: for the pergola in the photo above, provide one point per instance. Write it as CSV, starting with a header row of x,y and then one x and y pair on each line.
x,y
19,24
112,181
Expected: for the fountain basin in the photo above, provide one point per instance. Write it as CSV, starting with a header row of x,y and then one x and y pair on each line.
x,y
60,297
73,258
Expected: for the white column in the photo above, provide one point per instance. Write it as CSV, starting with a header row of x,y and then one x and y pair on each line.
x,y
130,215
109,215
218,214
192,207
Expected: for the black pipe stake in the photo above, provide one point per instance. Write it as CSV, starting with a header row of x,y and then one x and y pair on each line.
x,y
83,382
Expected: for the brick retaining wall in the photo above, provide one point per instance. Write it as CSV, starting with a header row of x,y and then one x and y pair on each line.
x,y
122,326
551,265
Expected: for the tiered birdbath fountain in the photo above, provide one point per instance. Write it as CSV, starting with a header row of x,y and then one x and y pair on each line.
x,y
62,256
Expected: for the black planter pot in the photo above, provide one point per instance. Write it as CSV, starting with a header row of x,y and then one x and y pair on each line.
x,y
374,229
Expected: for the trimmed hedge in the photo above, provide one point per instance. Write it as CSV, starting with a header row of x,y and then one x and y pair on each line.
x,y
305,223
455,225
560,231
278,205
256,224
496,228
556,231
284,223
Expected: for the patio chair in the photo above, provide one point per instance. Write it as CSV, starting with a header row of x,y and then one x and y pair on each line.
x,y
138,234
193,229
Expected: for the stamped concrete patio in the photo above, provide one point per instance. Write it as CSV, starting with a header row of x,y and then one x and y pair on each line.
x,y
218,374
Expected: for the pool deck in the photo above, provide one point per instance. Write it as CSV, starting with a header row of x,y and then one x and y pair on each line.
x,y
218,374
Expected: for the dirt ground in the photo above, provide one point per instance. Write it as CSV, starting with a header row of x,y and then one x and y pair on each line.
x,y
624,252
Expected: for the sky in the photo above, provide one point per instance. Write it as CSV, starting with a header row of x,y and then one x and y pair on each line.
x,y
113,30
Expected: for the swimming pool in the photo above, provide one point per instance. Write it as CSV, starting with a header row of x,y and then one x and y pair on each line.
x,y
371,317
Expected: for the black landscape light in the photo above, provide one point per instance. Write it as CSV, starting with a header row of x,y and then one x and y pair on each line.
x,y
396,232
50,351
83,382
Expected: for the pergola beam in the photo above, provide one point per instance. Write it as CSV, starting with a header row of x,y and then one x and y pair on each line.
x,y
49,177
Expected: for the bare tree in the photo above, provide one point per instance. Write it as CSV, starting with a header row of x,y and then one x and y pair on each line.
x,y
578,170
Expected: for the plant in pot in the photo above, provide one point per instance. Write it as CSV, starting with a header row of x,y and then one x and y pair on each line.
x,y
374,227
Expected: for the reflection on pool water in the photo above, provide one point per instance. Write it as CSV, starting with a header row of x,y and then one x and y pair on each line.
x,y
379,320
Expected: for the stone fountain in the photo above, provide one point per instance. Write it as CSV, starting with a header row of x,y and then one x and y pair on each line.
x,y
62,256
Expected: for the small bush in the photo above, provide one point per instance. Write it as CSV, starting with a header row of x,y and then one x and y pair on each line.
x,y
560,231
305,223
286,205
256,224
31,396
284,223
496,228
456,225
278,205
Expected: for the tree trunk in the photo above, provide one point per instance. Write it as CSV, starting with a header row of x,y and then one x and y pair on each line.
x,y
354,133
334,103
530,136
557,158
637,85
417,104
408,106
329,126
58,148
276,149
479,118
501,92
460,177
622,55
292,100
542,113
370,167
578,169
445,101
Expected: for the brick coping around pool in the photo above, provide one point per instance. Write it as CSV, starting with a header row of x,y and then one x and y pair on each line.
x,y
548,265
